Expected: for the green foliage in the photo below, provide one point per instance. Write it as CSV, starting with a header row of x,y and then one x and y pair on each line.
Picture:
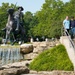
x,y
30,22
46,22
0,40
4,16
50,19
52,59
51,16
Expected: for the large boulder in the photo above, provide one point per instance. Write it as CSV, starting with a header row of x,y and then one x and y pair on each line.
x,y
16,68
14,71
26,48
11,71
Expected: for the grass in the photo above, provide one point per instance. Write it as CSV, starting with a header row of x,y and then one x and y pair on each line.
x,y
52,59
10,46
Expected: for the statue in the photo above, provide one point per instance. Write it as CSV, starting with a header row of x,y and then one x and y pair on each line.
x,y
14,25
18,16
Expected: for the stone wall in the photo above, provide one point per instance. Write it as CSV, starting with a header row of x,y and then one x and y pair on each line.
x,y
39,47
20,68
55,72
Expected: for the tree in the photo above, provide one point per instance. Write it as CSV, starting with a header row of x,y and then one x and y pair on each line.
x,y
30,22
4,15
50,19
46,22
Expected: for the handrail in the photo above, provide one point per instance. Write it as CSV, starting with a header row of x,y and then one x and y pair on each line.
x,y
68,35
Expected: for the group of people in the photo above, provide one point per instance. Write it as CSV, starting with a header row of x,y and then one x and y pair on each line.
x,y
69,25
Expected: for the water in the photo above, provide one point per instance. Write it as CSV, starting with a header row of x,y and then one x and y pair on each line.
x,y
9,55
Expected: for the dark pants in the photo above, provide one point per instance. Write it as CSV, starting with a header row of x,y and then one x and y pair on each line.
x,y
73,32
67,32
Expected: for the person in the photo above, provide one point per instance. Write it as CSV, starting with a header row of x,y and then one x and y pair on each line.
x,y
66,23
18,16
72,26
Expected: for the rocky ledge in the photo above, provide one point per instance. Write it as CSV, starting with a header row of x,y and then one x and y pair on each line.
x,y
17,68
55,72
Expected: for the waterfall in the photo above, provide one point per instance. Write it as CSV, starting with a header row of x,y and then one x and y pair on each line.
x,y
9,55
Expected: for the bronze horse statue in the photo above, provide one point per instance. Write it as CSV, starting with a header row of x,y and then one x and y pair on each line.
x,y
11,26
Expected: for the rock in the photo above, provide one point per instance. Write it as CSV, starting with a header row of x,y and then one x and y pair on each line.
x,y
16,65
16,68
26,48
30,56
8,72
22,70
51,73
33,72
14,71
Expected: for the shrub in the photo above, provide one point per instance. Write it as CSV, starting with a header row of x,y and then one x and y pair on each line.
x,y
52,59
0,40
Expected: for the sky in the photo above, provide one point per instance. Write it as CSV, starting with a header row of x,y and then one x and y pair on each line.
x,y
28,5
65,0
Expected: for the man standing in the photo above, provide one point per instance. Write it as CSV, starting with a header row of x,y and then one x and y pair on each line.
x,y
72,25
18,15
66,23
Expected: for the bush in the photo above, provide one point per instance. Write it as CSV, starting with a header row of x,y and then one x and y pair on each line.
x,y
0,40
52,59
